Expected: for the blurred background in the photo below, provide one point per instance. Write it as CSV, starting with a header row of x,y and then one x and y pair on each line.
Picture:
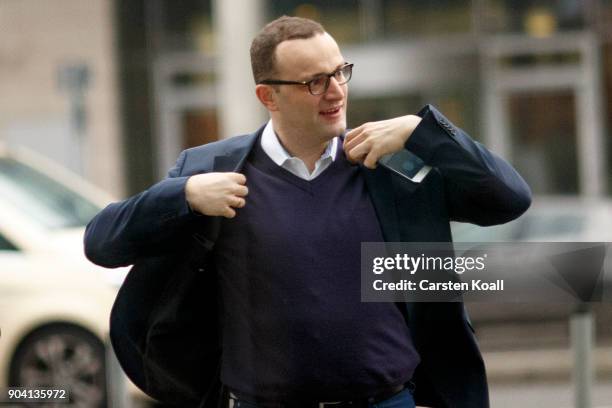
x,y
113,90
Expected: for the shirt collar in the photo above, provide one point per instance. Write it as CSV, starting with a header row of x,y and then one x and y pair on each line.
x,y
279,155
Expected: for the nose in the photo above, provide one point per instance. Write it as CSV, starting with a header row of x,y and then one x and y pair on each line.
x,y
335,90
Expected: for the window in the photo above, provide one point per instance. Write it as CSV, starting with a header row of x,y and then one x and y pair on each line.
x,y
465,232
543,137
537,18
6,245
44,199
361,110
551,225
184,25
363,20
426,18
607,105
340,17
605,18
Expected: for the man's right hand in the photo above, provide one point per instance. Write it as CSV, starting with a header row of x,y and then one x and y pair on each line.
x,y
216,194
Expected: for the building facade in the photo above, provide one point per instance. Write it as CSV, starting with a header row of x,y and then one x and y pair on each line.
x,y
59,94
532,78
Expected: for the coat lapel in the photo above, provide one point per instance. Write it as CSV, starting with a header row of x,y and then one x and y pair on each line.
x,y
235,158
230,161
380,186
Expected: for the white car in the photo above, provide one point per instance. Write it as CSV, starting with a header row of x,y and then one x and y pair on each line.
x,y
550,219
54,304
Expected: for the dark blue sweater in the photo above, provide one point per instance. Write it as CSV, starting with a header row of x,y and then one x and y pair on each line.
x,y
292,321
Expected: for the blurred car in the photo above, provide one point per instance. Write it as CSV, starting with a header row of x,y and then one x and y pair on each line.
x,y
54,304
550,219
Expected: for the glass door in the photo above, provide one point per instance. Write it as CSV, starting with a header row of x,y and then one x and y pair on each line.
x,y
542,134
542,110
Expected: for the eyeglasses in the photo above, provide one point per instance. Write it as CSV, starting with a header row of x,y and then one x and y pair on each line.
x,y
319,84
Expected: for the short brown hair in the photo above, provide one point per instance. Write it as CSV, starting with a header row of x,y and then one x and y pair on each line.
x,y
263,47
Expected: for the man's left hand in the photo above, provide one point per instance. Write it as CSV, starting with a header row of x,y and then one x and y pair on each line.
x,y
370,141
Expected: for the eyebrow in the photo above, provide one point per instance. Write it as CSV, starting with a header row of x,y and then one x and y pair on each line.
x,y
326,73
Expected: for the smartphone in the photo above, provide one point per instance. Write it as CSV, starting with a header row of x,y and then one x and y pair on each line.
x,y
406,164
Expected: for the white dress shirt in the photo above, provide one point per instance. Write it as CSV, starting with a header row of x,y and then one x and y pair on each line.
x,y
275,150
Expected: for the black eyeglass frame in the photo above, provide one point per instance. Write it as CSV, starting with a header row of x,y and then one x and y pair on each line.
x,y
307,83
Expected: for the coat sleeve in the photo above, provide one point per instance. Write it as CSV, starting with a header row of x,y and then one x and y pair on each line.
x,y
480,187
146,224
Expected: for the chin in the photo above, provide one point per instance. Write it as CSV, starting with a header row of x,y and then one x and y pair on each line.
x,y
336,129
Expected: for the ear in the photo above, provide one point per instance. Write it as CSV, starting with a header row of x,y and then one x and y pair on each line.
x,y
267,96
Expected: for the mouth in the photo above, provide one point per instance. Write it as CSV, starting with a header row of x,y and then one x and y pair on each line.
x,y
331,111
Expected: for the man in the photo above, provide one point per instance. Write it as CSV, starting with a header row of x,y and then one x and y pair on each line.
x,y
245,289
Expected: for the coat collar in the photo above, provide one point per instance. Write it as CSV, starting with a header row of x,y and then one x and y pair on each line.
x,y
234,158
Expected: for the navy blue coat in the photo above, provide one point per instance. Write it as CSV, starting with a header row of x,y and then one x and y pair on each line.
x,y
164,321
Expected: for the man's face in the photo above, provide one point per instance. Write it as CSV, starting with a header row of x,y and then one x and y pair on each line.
x,y
320,117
